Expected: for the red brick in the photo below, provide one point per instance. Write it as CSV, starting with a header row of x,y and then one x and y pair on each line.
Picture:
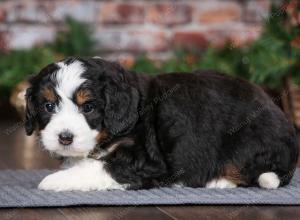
x,y
26,36
257,10
212,12
85,11
47,11
244,35
2,13
132,40
238,34
149,40
28,11
189,40
169,14
122,13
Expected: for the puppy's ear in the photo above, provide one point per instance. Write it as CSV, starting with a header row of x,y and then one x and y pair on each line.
x,y
121,109
30,117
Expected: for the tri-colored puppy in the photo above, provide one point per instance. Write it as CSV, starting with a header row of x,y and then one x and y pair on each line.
x,y
131,131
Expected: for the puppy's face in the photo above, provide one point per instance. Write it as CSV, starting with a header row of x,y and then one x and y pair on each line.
x,y
76,104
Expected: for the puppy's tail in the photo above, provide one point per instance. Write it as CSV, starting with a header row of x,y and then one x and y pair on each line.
x,y
269,180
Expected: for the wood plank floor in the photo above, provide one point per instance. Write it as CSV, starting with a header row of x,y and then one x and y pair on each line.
x,y
19,152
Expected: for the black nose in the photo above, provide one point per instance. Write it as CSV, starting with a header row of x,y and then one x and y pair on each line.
x,y
65,138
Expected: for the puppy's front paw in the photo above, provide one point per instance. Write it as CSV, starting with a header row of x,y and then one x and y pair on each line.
x,y
58,181
68,181
85,176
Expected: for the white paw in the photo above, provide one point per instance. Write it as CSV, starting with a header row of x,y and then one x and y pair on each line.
x,y
87,175
53,182
62,181
221,184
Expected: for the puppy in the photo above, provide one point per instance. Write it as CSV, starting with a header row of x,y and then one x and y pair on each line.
x,y
132,131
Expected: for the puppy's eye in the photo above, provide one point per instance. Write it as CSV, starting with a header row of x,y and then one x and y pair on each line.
x,y
88,108
50,107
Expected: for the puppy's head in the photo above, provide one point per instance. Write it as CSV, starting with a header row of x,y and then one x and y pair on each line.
x,y
76,104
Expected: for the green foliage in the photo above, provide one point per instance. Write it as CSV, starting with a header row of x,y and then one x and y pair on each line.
x,y
228,60
273,57
75,41
182,62
145,65
18,64
267,61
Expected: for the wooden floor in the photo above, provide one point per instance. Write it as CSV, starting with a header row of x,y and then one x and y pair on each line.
x,y
17,152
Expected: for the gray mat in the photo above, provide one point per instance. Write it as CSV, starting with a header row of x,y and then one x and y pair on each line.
x,y
18,189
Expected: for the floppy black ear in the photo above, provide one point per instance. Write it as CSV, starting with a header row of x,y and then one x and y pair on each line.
x,y
121,110
30,121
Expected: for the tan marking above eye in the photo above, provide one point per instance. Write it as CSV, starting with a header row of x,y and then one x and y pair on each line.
x,y
82,96
49,94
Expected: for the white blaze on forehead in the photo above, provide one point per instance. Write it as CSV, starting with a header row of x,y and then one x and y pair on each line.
x,y
67,115
69,78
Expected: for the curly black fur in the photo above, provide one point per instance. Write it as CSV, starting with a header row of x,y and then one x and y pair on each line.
x,y
185,128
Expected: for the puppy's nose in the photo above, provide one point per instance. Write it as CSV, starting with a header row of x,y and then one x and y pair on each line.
x,y
65,138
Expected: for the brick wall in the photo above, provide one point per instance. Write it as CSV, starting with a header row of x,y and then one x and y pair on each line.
x,y
130,27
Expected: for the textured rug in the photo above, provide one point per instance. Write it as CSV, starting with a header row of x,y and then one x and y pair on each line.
x,y
18,188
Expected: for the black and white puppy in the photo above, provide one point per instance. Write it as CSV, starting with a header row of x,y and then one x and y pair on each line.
x,y
134,131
